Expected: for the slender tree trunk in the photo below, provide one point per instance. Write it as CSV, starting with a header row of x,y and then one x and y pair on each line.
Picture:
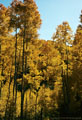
x,y
15,74
67,83
0,66
10,83
41,114
16,67
67,78
22,102
22,83
18,61
2,72
26,108
0,52
25,64
23,69
36,106
63,81
0,88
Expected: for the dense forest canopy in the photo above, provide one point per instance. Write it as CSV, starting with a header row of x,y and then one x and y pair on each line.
x,y
39,79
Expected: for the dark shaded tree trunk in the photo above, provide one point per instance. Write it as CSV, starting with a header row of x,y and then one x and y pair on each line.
x,y
25,116
15,74
0,52
0,88
2,72
25,64
16,67
67,84
0,65
36,106
63,81
22,83
41,114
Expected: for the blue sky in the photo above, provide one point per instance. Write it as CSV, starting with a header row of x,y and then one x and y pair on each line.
x,y
54,12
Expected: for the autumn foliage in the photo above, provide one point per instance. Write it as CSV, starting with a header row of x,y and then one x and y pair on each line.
x,y
39,79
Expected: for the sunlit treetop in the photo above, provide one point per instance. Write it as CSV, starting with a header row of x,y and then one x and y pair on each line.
x,y
81,17
63,34
3,20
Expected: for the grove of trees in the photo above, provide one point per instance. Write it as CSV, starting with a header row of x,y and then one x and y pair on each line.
x,y
39,79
